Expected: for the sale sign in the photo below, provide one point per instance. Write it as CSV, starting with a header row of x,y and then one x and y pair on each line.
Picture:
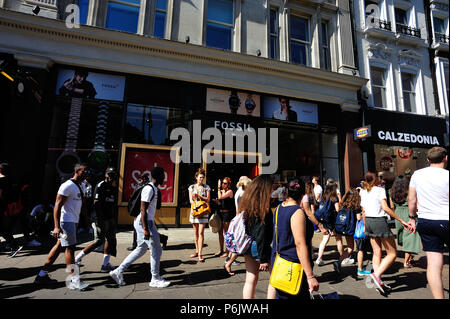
x,y
138,161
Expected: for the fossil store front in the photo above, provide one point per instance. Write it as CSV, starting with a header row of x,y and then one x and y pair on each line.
x,y
126,121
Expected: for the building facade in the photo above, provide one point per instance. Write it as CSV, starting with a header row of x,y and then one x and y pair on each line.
x,y
114,89
399,100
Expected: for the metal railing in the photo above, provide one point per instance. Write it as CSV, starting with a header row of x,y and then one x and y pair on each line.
x,y
45,3
441,37
407,30
380,24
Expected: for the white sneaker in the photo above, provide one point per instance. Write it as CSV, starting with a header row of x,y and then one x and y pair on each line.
x,y
348,261
159,283
319,262
77,285
118,277
33,243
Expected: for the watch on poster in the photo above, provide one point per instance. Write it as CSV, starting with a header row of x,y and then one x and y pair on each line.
x,y
405,153
386,163
138,162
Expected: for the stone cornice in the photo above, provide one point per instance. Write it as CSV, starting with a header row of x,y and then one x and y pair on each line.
x,y
103,38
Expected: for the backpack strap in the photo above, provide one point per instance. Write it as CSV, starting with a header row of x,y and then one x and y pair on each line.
x,y
78,185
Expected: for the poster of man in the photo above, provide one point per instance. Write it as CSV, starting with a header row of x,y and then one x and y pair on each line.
x,y
286,109
78,86
80,83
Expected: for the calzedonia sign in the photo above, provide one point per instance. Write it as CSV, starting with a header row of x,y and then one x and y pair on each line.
x,y
407,138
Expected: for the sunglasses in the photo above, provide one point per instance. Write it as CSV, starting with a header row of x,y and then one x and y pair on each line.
x,y
225,183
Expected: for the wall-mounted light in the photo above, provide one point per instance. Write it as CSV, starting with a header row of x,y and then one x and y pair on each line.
x,y
258,52
187,39
36,10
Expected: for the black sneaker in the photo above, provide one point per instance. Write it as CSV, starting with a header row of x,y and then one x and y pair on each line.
x,y
163,239
46,280
14,252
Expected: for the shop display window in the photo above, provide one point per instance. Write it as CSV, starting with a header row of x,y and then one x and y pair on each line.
x,y
152,124
397,160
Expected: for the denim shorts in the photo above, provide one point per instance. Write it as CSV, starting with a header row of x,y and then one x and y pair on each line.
x,y
70,229
433,234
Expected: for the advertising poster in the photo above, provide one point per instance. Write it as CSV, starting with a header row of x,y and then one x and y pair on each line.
x,y
141,160
290,110
233,102
90,85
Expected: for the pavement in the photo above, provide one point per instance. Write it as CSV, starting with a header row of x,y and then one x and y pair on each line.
x,y
191,279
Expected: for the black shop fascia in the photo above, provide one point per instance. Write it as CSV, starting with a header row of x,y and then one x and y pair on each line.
x,y
401,134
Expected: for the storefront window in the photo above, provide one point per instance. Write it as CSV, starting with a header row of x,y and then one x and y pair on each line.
x,y
330,159
398,160
152,125
298,154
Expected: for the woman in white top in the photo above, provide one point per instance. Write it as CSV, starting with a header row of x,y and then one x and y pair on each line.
x,y
375,211
199,191
241,185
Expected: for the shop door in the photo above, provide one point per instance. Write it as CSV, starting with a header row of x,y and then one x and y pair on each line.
x,y
216,171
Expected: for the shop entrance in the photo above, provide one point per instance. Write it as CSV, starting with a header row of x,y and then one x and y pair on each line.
x,y
234,170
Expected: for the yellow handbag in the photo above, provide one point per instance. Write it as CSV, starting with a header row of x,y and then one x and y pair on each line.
x,y
286,275
200,208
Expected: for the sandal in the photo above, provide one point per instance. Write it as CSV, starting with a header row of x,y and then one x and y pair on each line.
x,y
408,265
224,255
218,253
194,255
200,259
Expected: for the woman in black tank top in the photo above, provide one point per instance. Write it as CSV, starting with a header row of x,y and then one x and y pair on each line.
x,y
227,211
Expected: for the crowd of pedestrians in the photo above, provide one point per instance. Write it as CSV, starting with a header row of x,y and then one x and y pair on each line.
x,y
262,222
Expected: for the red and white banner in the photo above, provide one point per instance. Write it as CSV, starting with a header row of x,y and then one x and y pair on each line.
x,y
141,161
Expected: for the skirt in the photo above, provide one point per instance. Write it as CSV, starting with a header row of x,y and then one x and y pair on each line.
x,y
377,227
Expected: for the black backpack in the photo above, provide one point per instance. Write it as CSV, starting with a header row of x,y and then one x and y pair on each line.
x,y
134,204
326,215
345,222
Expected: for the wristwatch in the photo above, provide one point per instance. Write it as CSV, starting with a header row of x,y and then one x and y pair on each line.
x,y
412,217
68,158
99,159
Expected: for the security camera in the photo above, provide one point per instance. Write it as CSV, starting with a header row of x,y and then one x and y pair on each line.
x,y
36,10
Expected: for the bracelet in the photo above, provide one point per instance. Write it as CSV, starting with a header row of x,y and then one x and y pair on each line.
x,y
412,217
311,277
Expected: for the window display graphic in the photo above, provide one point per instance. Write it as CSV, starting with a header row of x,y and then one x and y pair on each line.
x,y
90,85
284,109
99,159
69,157
79,85
138,159
233,102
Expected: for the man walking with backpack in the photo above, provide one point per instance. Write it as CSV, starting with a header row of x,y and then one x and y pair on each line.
x,y
104,221
147,234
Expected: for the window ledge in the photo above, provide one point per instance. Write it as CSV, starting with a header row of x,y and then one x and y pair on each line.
x,y
440,47
378,33
406,39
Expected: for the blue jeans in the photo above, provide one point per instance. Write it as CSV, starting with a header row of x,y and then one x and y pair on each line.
x,y
142,245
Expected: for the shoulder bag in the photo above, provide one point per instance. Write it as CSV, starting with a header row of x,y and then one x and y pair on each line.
x,y
286,275
200,207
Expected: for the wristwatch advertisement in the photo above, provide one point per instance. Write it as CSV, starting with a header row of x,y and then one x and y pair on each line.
x,y
69,157
99,159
